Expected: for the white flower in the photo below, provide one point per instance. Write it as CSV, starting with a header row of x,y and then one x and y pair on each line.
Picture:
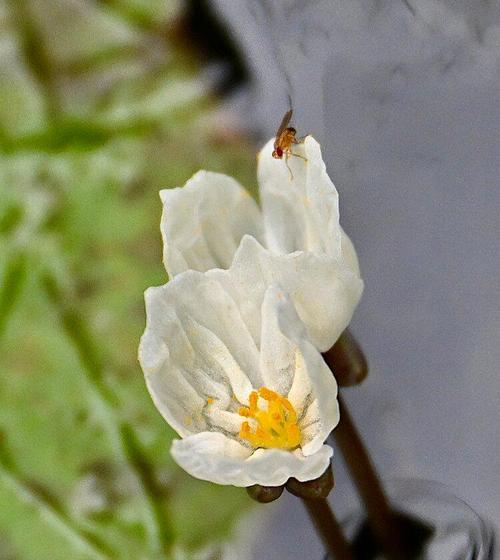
x,y
249,395
296,240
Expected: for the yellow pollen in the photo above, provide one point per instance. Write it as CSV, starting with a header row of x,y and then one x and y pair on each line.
x,y
276,424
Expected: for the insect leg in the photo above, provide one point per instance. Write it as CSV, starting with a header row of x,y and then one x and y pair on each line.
x,y
287,155
298,155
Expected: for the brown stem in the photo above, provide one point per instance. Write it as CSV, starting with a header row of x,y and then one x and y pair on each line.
x,y
362,470
328,529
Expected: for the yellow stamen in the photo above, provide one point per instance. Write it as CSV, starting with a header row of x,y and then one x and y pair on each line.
x,y
276,425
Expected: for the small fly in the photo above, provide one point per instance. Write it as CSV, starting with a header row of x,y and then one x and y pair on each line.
x,y
286,137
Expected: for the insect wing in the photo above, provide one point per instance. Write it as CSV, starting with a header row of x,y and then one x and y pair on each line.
x,y
284,123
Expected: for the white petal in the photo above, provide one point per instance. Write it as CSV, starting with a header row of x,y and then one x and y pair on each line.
x,y
178,402
325,291
196,348
246,283
325,404
215,355
300,213
313,381
214,457
204,221
277,352
301,396
349,254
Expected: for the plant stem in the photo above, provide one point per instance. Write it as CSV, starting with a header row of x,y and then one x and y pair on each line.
x,y
12,284
379,512
328,529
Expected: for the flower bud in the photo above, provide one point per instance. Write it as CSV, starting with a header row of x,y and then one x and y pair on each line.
x,y
347,361
265,494
312,489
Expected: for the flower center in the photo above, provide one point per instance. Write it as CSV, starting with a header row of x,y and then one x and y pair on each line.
x,y
275,426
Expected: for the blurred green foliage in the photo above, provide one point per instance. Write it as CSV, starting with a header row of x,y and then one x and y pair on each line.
x,y
99,109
